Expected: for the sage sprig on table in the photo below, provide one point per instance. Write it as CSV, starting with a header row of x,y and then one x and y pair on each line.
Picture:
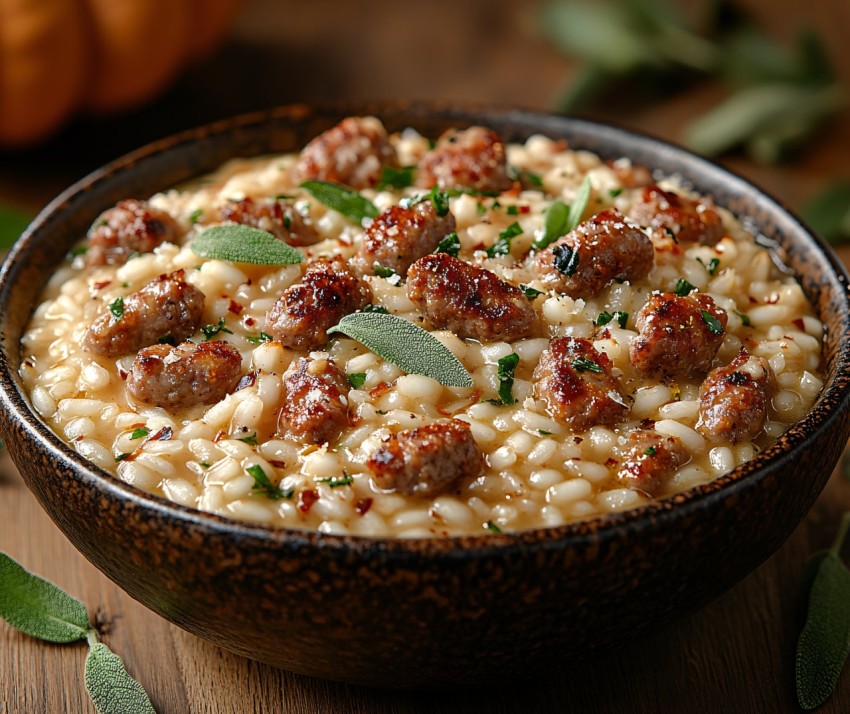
x,y
350,203
38,608
12,224
243,244
408,346
825,640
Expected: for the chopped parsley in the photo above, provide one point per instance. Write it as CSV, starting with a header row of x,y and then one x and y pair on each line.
x,y
78,250
530,293
337,481
116,307
392,177
392,277
195,215
121,457
714,325
507,367
605,317
614,192
543,432
512,210
263,485
257,339
683,288
528,177
357,379
140,433
211,331
490,526
566,260
450,244
582,364
711,266
503,245
251,439
744,318
375,308
650,451
205,464
166,340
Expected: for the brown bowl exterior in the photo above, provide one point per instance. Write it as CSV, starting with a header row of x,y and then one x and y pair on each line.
x,y
416,613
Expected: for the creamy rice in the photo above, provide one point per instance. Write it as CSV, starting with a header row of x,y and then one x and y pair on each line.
x,y
538,473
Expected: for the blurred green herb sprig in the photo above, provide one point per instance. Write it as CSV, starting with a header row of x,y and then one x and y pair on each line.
x,y
12,224
640,50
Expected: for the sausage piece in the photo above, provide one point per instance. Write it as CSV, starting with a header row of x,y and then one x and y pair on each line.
x,y
352,153
576,383
468,300
167,308
427,460
186,375
586,260
315,405
689,220
400,236
679,336
275,216
472,158
650,460
733,400
129,227
328,291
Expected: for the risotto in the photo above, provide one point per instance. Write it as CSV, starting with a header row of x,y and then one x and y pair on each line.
x,y
580,337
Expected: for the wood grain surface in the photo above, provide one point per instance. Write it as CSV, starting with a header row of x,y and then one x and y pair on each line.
x,y
736,655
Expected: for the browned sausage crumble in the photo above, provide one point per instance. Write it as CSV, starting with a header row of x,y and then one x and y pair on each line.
x,y
650,460
683,219
276,216
473,158
131,227
315,403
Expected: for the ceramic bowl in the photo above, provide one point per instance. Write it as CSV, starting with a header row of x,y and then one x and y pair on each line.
x,y
414,613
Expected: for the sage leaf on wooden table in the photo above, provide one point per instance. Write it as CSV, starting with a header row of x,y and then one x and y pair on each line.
x,y
12,224
243,244
351,204
408,346
110,687
825,640
38,608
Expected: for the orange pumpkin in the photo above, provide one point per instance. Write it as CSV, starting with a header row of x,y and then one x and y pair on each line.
x,y
59,56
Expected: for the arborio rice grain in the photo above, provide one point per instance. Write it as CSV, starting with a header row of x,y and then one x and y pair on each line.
x,y
538,471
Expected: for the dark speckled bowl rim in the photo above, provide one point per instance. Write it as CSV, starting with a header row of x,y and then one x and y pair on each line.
x,y
832,402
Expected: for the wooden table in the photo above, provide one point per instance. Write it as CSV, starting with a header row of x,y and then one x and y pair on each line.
x,y
736,655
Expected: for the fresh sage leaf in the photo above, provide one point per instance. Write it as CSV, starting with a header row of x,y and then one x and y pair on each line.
x,y
503,245
825,640
243,244
408,346
565,259
579,204
555,219
12,224
110,686
38,608
350,203
529,292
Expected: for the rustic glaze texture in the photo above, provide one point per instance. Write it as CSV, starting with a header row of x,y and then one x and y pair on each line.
x,y
423,612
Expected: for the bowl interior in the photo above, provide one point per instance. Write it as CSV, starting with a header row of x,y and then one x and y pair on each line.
x,y
177,159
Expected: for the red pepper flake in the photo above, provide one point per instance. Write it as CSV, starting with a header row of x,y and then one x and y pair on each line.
x,y
380,389
277,463
647,423
122,374
354,419
577,439
799,324
101,284
247,380
473,399
561,145
221,435
362,506
235,307
611,463
250,322
479,246
306,499
753,301
524,209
